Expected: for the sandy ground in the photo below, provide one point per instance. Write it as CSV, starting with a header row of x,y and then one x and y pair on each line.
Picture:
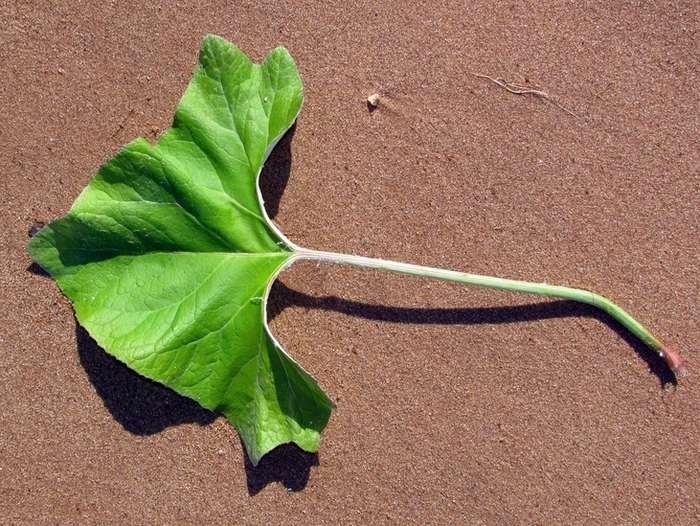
x,y
455,405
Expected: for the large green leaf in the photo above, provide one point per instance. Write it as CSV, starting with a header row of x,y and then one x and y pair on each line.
x,y
168,254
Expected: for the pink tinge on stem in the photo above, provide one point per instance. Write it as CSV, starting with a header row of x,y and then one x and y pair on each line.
x,y
674,361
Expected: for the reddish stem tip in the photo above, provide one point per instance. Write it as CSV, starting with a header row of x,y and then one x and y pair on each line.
x,y
674,361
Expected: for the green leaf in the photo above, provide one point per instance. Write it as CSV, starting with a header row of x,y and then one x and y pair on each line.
x,y
168,254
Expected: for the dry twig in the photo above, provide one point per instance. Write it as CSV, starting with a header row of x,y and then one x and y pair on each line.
x,y
519,89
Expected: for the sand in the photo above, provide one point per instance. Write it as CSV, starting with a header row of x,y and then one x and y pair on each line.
x,y
455,405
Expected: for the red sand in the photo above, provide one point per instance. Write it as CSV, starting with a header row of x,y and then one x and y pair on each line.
x,y
455,405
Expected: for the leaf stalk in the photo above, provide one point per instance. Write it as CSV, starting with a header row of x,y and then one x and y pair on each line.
x,y
674,361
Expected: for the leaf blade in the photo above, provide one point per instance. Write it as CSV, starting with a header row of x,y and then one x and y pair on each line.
x,y
168,253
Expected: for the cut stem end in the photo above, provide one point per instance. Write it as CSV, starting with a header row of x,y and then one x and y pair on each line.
x,y
675,362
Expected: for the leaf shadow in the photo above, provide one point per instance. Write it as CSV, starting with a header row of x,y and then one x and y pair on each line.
x,y
282,297
38,270
287,464
275,173
144,407
140,405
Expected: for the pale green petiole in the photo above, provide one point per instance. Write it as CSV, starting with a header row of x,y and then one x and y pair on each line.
x,y
672,358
